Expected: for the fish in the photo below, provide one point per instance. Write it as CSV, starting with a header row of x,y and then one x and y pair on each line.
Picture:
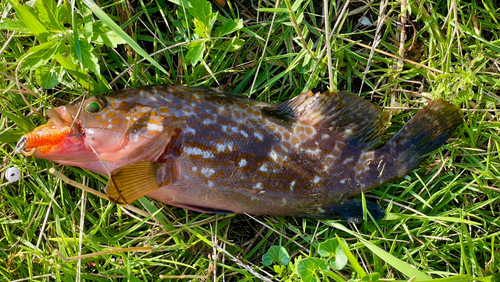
x,y
213,151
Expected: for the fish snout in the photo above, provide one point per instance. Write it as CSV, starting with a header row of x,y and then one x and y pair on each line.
x,y
60,116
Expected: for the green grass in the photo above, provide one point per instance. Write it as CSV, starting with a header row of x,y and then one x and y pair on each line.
x,y
443,218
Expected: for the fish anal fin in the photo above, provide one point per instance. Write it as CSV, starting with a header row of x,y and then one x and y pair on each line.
x,y
343,115
352,210
132,181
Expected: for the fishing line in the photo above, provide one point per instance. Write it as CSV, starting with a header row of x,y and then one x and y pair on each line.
x,y
102,162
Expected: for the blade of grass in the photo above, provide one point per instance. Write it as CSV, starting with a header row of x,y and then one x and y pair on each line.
x,y
397,216
354,262
118,30
398,264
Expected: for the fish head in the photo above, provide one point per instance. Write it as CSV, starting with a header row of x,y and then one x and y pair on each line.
x,y
100,134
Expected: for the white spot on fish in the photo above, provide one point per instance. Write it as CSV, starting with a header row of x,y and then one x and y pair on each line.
x,y
258,186
316,179
284,149
263,167
244,133
194,168
220,147
315,152
368,156
208,121
259,136
207,172
242,163
291,185
109,126
207,155
348,160
198,152
192,151
284,201
273,155
224,146
321,210
336,148
189,130
342,181
152,126
348,132
210,184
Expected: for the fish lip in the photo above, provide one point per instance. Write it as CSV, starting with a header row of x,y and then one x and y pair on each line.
x,y
60,117
63,118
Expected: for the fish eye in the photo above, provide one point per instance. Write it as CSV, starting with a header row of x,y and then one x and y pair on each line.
x,y
94,106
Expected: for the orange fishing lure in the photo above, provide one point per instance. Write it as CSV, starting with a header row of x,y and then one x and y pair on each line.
x,y
43,139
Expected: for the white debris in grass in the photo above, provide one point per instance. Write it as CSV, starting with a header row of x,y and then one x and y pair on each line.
x,y
364,21
12,174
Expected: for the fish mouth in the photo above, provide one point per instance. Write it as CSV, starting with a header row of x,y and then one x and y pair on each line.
x,y
61,117
46,138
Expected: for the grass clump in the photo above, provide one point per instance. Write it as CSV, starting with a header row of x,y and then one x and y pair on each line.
x,y
443,218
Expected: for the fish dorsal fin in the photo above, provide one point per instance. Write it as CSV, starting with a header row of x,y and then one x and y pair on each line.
x,y
340,114
132,181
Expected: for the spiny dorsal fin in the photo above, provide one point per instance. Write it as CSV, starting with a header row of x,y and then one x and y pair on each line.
x,y
132,181
341,114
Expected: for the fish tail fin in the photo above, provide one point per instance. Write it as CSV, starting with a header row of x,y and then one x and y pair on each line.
x,y
424,133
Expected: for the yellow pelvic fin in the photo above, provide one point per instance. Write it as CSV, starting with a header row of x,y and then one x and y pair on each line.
x,y
132,181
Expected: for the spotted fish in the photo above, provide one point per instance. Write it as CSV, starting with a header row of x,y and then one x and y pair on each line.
x,y
213,151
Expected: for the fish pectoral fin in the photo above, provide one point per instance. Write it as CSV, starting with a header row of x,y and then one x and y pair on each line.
x,y
132,181
352,210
